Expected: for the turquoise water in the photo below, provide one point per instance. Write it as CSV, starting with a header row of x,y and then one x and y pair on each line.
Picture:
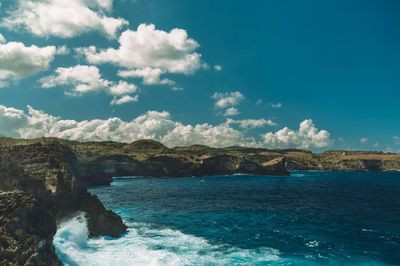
x,y
308,218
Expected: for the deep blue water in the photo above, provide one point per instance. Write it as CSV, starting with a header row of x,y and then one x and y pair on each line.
x,y
308,218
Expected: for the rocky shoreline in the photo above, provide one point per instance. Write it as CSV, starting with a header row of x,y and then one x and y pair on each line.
x,y
43,181
40,187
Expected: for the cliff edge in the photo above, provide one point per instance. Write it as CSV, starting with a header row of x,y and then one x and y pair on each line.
x,y
38,187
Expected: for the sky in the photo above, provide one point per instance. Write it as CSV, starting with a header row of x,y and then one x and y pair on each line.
x,y
310,74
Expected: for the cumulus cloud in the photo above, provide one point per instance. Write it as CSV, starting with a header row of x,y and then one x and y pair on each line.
x,y
151,125
227,99
10,120
124,99
148,53
20,61
252,123
364,140
396,140
82,79
232,111
63,18
306,137
150,76
122,88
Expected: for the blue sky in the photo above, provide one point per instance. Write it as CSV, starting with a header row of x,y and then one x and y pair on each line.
x,y
272,64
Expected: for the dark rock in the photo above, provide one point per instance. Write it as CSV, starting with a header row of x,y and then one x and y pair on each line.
x,y
228,164
373,165
26,231
101,170
221,164
47,173
277,166
101,221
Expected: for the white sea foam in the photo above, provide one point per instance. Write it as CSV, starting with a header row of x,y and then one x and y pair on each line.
x,y
143,245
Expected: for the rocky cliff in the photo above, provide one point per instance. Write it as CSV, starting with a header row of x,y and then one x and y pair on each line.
x,y
99,169
99,162
40,187
26,231
342,161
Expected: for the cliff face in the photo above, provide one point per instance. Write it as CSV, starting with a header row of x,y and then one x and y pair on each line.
x,y
26,231
343,161
100,170
228,164
46,189
97,164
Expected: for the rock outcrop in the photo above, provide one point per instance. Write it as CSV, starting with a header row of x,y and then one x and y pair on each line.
x,y
229,164
100,220
98,164
26,231
45,189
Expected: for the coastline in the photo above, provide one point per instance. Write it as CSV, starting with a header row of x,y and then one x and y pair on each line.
x,y
56,174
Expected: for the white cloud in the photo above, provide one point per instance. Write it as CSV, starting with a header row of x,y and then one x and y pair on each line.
x,y
363,140
228,99
149,53
10,120
232,111
124,99
150,76
252,123
306,137
275,105
150,125
271,105
2,39
82,79
63,18
260,102
396,140
218,68
122,88
20,61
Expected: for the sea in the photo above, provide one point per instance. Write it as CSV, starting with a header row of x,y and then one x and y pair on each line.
x,y
307,218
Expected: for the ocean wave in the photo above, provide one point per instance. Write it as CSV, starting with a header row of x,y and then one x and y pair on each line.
x,y
144,245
